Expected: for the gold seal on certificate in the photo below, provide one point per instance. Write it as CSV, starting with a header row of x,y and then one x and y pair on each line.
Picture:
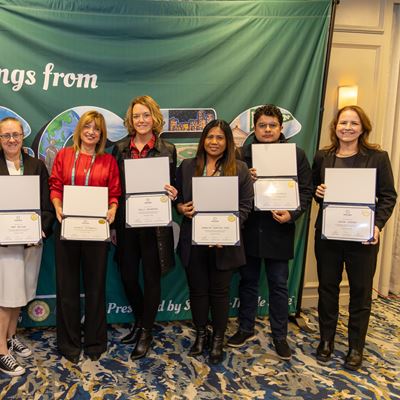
x,y
85,210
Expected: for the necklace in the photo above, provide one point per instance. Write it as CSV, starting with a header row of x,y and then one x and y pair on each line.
x,y
340,154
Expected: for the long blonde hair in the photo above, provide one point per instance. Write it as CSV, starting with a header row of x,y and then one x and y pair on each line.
x,y
100,123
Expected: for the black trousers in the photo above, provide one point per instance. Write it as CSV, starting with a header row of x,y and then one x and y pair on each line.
x,y
208,288
360,263
140,244
71,258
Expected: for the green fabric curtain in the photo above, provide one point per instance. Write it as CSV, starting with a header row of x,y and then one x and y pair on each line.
x,y
225,55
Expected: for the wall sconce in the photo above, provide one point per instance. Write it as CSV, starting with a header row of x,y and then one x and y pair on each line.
x,y
347,96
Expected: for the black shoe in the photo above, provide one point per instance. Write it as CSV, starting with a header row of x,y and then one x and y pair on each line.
x,y
353,360
74,359
9,365
132,336
216,352
324,350
142,344
201,342
240,338
282,349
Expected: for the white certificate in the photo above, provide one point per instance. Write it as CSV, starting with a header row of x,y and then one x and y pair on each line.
x,y
353,223
152,209
20,192
276,194
274,159
215,193
146,175
85,228
85,201
216,228
350,185
21,227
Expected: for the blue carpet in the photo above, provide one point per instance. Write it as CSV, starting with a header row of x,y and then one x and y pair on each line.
x,y
251,372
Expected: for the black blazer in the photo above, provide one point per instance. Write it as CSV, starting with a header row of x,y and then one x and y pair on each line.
x,y
34,166
266,238
165,238
366,158
228,257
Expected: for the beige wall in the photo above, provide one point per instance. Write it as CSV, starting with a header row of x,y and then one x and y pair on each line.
x,y
364,41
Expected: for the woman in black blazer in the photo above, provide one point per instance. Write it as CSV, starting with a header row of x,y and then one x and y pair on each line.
x,y
151,247
209,268
19,264
349,148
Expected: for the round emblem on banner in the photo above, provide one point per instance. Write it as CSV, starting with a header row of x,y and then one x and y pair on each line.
x,y
164,199
290,184
34,217
365,213
231,218
38,310
102,221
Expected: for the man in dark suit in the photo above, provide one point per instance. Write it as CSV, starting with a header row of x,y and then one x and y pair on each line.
x,y
269,236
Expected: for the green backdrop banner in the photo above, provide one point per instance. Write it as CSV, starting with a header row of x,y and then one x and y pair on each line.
x,y
198,59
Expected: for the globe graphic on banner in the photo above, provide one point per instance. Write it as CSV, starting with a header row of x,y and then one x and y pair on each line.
x,y
57,133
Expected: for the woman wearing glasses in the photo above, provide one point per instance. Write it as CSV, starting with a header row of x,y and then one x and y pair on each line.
x,y
84,164
19,265
152,247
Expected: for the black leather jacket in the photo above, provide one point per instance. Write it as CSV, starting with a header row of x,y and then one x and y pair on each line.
x,y
165,239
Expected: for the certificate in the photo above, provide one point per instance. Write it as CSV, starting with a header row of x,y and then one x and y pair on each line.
x,y
20,221
21,227
350,185
81,228
215,193
85,209
216,228
146,175
346,222
276,194
274,159
152,209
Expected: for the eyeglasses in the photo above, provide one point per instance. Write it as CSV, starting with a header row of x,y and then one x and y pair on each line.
x,y
262,125
14,135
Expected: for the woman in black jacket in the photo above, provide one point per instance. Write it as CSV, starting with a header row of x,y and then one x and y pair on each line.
x,y
153,247
209,268
19,264
349,148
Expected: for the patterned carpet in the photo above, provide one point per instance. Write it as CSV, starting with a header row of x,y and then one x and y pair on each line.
x,y
252,372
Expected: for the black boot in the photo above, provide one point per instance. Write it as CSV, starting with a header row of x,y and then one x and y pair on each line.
x,y
324,350
132,336
200,343
216,352
142,344
353,360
